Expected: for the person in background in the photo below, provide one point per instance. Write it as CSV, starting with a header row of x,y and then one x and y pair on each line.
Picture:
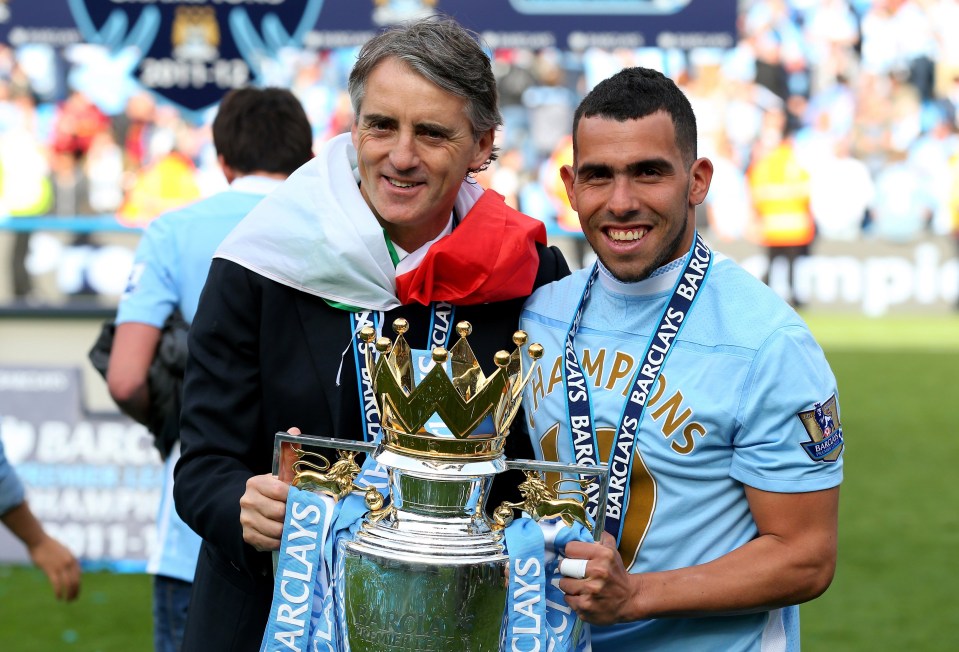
x,y
386,222
48,554
780,187
260,136
703,393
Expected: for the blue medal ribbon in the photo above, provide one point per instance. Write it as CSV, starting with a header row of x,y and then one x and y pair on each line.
x,y
369,414
579,406
441,317
441,322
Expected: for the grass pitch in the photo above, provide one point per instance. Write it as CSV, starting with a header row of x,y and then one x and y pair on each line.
x,y
899,514
899,522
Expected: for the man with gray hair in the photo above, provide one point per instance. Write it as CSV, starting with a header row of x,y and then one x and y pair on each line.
x,y
384,223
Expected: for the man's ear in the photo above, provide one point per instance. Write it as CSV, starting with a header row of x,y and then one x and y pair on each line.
x,y
569,176
484,149
700,176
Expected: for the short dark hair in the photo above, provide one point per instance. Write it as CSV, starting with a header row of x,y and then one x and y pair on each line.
x,y
444,53
635,93
262,130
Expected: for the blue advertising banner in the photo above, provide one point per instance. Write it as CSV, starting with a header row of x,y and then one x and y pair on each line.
x,y
26,21
191,52
566,24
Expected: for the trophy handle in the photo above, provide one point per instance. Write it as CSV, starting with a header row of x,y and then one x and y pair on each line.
x,y
597,474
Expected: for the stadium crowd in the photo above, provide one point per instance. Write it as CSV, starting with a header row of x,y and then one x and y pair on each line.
x,y
842,110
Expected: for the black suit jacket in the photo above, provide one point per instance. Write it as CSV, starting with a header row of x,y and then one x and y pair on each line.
x,y
263,358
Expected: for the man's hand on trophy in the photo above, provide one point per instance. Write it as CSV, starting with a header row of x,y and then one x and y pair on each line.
x,y
601,591
262,509
263,504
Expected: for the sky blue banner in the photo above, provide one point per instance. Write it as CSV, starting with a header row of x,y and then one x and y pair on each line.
x,y
193,51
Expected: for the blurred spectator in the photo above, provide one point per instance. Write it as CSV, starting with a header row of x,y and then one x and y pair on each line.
x,y
840,192
549,104
169,179
103,168
917,44
514,74
728,206
25,187
831,32
877,39
871,134
48,554
781,64
76,122
168,183
929,155
897,38
708,95
132,129
944,16
71,192
780,190
901,210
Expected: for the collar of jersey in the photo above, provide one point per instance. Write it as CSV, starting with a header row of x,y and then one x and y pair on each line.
x,y
661,280
255,184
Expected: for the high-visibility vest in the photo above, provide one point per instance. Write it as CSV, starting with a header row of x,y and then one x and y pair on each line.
x,y
780,192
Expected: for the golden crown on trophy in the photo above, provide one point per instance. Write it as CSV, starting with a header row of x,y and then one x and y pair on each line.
x,y
476,409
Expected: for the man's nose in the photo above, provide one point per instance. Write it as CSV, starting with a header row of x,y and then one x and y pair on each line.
x,y
404,154
623,198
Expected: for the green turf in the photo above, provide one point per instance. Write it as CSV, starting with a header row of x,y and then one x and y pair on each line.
x,y
938,332
895,586
112,613
899,516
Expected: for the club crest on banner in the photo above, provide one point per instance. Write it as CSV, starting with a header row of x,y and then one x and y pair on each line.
x,y
191,53
825,431
387,12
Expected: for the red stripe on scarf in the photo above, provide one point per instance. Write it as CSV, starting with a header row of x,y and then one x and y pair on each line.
x,y
490,256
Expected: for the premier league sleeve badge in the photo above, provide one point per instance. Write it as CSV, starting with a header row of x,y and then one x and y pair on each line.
x,y
824,430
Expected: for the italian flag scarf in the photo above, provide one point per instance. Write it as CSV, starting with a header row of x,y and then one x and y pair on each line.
x,y
315,233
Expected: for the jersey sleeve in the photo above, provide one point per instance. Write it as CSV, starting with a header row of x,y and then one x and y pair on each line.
x,y
151,293
11,489
790,435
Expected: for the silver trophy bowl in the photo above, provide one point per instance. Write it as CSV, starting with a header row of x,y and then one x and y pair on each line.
x,y
428,573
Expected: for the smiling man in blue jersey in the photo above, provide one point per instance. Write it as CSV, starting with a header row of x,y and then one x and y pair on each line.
x,y
699,388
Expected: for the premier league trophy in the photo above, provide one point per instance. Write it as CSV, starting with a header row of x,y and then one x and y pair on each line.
x,y
423,567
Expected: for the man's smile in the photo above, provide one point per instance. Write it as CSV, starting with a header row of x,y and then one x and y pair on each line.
x,y
626,235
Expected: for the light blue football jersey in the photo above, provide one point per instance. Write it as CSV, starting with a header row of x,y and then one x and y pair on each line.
x,y
745,398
